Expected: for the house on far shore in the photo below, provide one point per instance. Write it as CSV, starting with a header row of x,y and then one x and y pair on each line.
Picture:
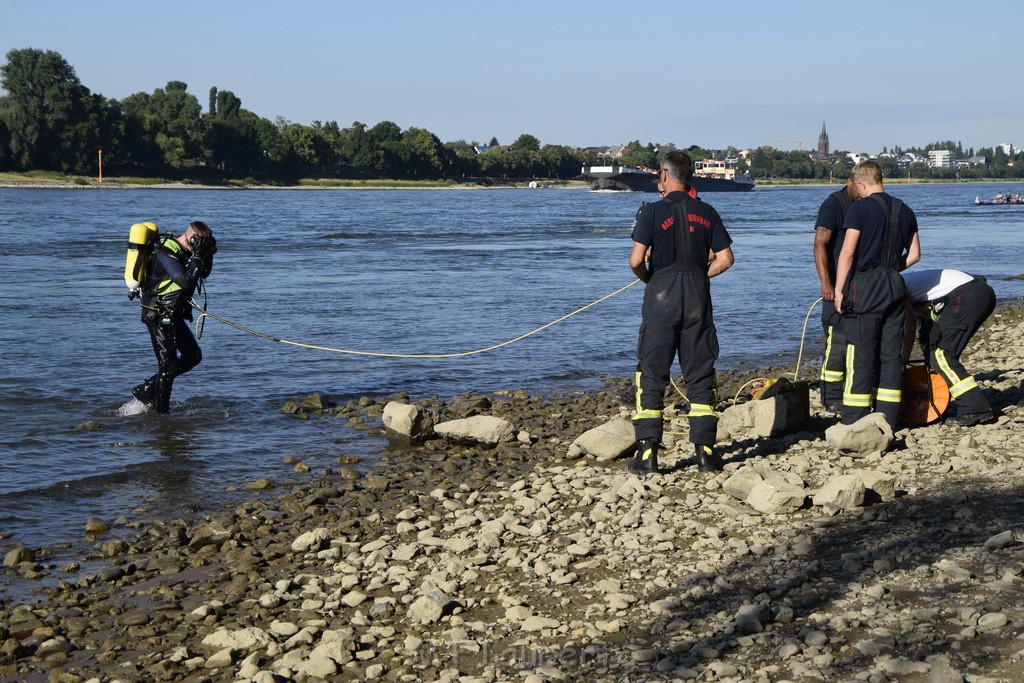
x,y
940,158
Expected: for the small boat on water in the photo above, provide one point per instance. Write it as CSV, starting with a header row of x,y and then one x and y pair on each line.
x,y
1001,200
709,177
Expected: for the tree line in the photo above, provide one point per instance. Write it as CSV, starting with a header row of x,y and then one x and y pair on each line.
x,y
50,121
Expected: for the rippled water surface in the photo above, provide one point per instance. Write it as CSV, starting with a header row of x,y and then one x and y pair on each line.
x,y
406,272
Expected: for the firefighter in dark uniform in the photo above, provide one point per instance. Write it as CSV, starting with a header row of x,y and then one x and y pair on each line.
x,y
679,243
880,240
951,305
827,245
174,269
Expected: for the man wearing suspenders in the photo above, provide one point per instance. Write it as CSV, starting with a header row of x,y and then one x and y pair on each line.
x,y
880,239
679,243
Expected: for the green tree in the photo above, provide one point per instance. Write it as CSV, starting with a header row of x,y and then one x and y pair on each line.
x,y
178,114
164,128
641,156
426,155
495,162
560,162
5,141
44,99
526,143
100,124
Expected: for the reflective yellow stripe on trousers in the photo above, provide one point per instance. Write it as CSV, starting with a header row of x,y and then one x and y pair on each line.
x,y
642,414
702,410
889,395
957,386
849,398
829,375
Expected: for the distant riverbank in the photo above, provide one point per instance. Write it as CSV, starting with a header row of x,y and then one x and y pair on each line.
x,y
59,181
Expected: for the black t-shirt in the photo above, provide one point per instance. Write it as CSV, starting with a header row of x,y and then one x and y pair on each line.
x,y
653,228
868,217
830,216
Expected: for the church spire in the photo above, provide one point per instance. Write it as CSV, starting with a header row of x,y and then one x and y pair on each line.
x,y
823,141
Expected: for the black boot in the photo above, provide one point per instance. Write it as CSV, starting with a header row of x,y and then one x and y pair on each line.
x,y
645,460
162,393
707,459
146,392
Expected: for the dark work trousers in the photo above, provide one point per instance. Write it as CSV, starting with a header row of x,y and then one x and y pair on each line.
x,y
177,352
677,322
874,346
833,363
964,310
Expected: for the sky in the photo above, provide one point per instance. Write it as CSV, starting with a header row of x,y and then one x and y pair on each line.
x,y
580,73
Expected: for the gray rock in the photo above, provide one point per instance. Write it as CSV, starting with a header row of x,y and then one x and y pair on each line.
x,y
866,435
221,659
742,481
429,608
19,555
993,621
95,525
241,639
213,533
844,492
941,671
772,497
882,484
614,439
782,414
1000,540
407,424
480,429
311,540
751,619
536,623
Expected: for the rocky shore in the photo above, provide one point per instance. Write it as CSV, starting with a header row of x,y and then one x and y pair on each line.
x,y
534,560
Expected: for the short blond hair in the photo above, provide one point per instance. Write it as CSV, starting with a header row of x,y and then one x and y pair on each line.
x,y
867,171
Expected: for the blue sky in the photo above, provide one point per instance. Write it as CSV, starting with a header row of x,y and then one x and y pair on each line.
x,y
579,73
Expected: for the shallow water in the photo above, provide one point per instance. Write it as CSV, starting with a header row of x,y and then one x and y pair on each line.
x,y
397,271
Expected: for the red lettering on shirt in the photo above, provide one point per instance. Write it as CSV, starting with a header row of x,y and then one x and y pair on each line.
x,y
667,223
694,218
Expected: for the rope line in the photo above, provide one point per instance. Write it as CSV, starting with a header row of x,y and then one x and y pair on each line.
x,y
803,335
205,314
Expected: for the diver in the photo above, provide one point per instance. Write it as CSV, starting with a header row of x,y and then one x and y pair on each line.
x,y
174,268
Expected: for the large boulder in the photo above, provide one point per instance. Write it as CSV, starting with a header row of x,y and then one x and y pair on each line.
x,y
773,496
407,424
844,492
743,480
609,441
783,413
865,436
884,485
479,429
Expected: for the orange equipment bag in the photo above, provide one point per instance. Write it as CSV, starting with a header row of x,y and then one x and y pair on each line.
x,y
925,395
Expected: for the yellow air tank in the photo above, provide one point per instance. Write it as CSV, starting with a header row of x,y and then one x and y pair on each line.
x,y
139,237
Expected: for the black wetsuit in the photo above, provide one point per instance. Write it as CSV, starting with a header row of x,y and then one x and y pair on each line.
x,y
172,274
677,317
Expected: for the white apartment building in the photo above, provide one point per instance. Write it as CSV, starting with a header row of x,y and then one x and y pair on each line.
x,y
940,158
